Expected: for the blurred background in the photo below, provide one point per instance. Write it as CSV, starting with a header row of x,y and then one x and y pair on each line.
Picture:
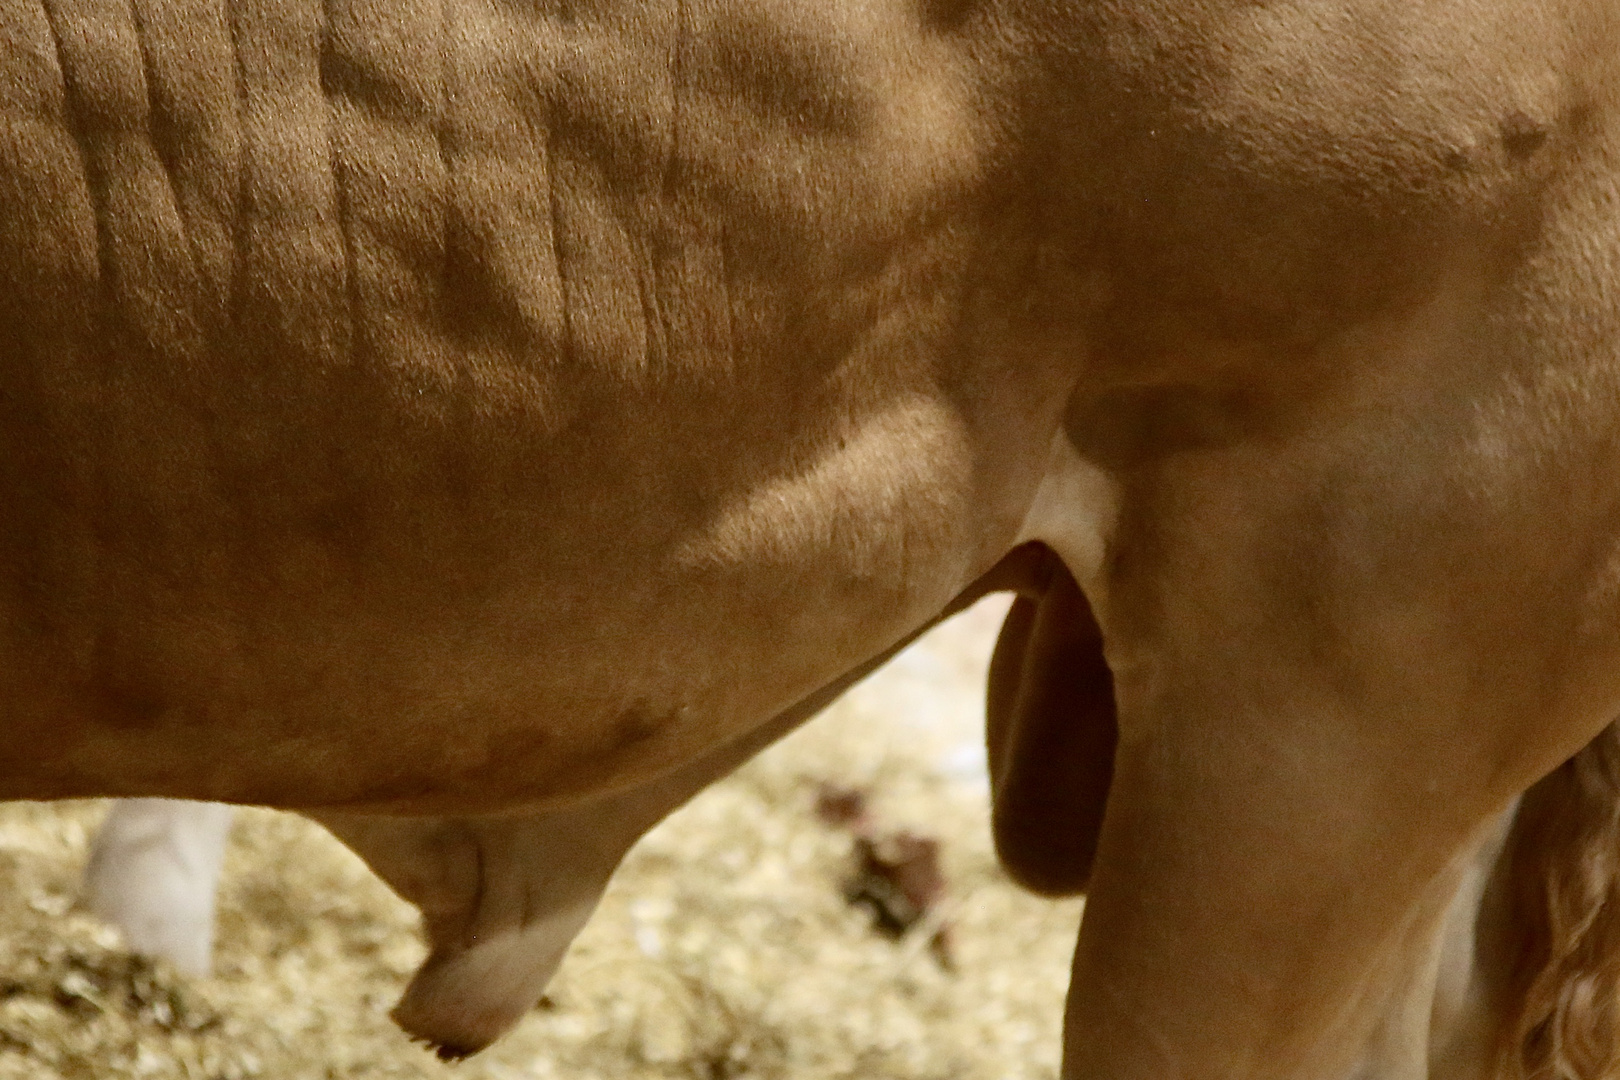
x,y
833,909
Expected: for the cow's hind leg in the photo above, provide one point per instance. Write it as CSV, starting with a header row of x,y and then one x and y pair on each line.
x,y
153,873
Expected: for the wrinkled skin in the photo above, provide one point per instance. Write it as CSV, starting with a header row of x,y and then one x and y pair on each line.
x,y
465,411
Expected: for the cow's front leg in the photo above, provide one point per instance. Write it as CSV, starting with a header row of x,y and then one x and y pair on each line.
x,y
153,873
1261,903
1324,705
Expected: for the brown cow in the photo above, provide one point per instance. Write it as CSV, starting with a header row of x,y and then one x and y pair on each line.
x,y
480,423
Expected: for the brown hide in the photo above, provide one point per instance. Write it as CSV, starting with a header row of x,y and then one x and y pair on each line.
x,y
476,409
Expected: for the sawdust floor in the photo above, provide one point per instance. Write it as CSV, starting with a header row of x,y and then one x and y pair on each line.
x,y
724,950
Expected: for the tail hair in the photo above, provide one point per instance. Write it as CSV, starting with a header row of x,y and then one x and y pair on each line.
x,y
1565,988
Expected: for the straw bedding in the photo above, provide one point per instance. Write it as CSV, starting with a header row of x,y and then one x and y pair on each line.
x,y
725,949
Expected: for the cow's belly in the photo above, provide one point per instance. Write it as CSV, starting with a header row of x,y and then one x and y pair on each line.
x,y
449,647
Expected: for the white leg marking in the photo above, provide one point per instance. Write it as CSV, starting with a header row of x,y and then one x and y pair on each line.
x,y
153,871
1073,513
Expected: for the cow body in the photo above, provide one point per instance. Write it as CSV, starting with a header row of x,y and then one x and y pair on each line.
x,y
476,409
356,376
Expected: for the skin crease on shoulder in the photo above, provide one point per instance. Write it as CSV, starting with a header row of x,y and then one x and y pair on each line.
x,y
463,407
